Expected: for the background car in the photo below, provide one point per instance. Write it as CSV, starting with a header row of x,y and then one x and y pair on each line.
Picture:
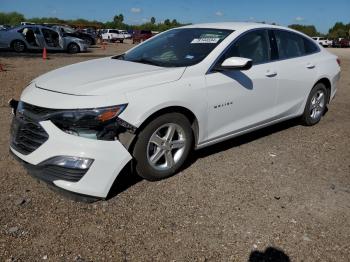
x,y
4,27
126,34
141,35
69,31
113,35
336,42
323,41
344,43
90,31
36,37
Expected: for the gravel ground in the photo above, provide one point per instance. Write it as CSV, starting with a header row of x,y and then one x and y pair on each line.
x,y
283,191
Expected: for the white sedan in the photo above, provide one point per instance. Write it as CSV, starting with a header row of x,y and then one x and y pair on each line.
x,y
79,126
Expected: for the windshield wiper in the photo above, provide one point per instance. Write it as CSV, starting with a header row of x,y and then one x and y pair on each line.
x,y
141,60
146,61
119,57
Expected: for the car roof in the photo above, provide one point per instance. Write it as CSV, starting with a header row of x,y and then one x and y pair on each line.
x,y
235,26
242,26
39,26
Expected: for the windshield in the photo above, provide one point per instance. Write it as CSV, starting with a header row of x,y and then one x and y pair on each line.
x,y
114,31
178,47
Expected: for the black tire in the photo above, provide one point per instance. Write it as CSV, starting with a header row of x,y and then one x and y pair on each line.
x,y
73,48
309,118
121,41
142,147
18,46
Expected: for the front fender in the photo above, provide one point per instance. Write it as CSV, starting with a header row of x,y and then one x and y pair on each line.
x,y
145,102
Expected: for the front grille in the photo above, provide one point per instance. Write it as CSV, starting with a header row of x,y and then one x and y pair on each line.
x,y
26,134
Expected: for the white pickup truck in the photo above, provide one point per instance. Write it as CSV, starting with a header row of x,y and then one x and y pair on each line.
x,y
323,41
113,35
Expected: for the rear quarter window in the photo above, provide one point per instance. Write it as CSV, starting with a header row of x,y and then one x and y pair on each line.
x,y
310,47
292,45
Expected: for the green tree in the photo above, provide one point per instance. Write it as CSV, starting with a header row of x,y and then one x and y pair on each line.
x,y
309,30
118,19
339,30
174,22
167,22
12,18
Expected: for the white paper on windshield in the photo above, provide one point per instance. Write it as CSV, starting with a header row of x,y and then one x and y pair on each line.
x,y
206,40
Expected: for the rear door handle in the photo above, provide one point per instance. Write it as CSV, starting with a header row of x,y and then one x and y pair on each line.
x,y
310,66
270,73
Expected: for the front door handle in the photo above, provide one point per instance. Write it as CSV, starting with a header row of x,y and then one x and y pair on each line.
x,y
270,73
310,66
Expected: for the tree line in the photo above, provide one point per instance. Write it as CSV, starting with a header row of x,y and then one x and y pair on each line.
x,y
13,18
339,30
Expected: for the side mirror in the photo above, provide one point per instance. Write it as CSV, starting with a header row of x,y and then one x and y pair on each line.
x,y
235,63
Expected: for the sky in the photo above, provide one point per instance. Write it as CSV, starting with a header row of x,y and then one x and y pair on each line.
x,y
321,13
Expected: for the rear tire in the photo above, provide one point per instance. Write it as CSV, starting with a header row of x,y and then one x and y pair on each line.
x,y
73,48
18,46
315,105
163,146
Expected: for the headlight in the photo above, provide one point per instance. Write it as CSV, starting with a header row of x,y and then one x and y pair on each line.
x,y
90,123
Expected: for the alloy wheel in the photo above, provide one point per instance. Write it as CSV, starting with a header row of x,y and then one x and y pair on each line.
x,y
166,146
317,104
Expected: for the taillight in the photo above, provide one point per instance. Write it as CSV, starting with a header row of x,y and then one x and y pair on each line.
x,y
338,61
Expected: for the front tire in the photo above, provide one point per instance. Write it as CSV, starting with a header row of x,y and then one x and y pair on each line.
x,y
18,46
73,48
315,105
163,146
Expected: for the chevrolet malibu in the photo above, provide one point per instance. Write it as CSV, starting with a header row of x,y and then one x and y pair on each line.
x,y
78,126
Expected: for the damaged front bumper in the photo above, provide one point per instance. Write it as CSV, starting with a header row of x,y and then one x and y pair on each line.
x,y
77,164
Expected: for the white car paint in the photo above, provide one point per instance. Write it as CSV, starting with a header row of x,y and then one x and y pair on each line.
x,y
115,34
225,104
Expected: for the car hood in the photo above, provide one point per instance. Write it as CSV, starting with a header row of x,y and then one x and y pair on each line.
x,y
105,76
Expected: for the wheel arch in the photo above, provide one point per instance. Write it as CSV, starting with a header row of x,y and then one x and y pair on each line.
x,y
327,83
169,109
174,109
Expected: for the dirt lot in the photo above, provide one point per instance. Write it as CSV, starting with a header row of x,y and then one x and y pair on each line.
x,y
284,190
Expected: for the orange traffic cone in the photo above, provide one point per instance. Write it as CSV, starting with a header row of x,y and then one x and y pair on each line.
x,y
104,45
1,68
44,53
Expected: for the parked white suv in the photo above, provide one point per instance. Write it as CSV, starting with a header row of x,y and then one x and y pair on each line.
x,y
78,126
113,35
323,41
